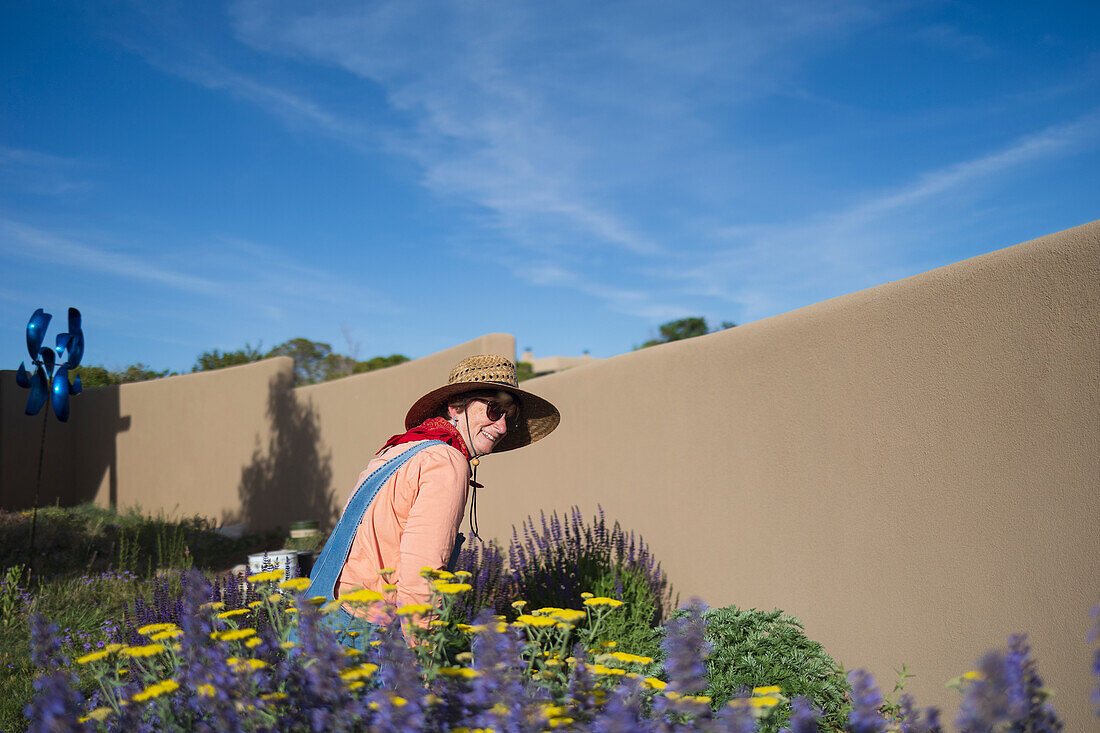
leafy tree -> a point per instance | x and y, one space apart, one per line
312 362
524 370
379 362
98 376
217 360
684 328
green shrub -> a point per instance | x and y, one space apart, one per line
754 648
90 539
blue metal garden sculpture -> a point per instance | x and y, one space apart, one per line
45 382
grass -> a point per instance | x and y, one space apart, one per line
88 564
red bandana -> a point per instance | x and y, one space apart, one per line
434 428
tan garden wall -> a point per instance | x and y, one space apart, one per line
238 444
911 469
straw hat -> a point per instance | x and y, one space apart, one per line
537 417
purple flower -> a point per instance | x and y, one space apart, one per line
866 701
685 649
804 716
911 720
1008 691
56 705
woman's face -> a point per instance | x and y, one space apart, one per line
474 424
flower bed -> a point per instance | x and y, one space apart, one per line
238 670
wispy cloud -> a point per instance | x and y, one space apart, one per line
763 266
251 276
39 173
589 142
952 37
557 133
21 241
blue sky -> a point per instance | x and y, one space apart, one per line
404 176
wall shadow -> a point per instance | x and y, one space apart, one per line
77 455
291 480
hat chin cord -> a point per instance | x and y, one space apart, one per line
474 461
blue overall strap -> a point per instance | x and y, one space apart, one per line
326 571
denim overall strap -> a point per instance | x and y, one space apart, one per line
326 571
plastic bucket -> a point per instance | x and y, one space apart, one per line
285 560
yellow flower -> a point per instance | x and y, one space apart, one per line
112 648
701 699
527 619
586 595
266 577
569 616
755 702
518 605
206 690
450 589
464 672
558 722
359 672
234 612
255 604
438 623
602 601
288 645
769 690
356 685
98 715
463 574
974 676
147 650
246 665
156 690
415 609
655 684
632 658
290 610
295 584
276 598
610 644
389 587
443 574
93 657
232 634
155 628
601 669
361 596
167 634
212 606
253 642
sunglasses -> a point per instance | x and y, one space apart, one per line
495 410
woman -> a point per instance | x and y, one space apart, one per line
405 513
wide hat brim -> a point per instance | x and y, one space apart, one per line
537 417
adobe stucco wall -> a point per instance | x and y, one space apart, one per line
912 470
238 444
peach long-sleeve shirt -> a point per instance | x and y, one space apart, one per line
411 524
